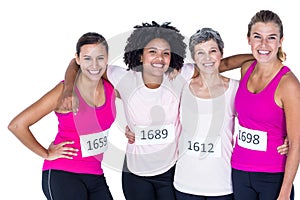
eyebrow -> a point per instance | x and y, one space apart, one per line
85 55
157 48
273 34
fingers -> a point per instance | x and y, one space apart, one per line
64 143
172 75
286 141
69 103
129 135
66 103
283 149
61 151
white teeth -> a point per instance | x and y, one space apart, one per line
208 64
264 52
158 65
94 71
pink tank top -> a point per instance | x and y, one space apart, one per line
88 127
263 127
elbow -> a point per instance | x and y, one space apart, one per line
13 127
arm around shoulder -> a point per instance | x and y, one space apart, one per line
67 97
235 61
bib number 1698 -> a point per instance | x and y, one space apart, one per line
252 139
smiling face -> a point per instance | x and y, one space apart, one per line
93 60
265 40
207 56
156 58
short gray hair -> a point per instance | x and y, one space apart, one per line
203 35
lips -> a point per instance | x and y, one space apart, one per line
94 72
208 64
158 65
262 52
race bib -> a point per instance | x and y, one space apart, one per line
202 147
149 135
93 144
252 139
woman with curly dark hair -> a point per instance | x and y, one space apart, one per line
151 102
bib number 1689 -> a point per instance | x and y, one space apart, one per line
154 134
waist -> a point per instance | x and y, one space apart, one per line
85 165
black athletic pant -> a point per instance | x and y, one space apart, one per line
257 185
159 187
61 185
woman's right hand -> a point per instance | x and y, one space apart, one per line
61 151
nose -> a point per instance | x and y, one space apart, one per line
95 64
264 41
159 56
207 56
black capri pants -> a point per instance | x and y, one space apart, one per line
159 187
62 185
257 185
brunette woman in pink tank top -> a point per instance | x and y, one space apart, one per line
72 167
267 104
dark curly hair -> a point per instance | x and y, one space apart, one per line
146 32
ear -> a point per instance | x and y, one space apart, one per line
77 59
281 41
141 58
248 38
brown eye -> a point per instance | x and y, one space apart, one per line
272 38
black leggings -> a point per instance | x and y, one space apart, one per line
159 187
257 185
61 185
186 196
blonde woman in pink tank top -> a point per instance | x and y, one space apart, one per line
267 105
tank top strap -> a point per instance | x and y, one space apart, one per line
108 89
248 72
77 92
275 81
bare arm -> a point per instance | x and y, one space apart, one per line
234 62
20 125
289 90
67 95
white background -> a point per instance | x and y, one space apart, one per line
38 39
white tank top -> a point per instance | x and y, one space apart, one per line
206 143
